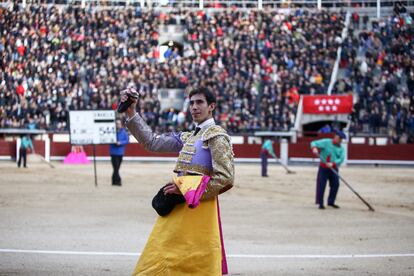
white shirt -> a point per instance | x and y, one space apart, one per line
206 123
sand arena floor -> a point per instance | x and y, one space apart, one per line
55 222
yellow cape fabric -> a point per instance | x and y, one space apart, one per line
186 242
187 183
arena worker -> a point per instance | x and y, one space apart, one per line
332 155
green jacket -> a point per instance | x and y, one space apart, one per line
26 143
268 147
329 152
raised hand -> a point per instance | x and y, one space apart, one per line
129 98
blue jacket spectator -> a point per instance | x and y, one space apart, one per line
122 138
117 152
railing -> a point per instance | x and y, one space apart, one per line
222 4
334 75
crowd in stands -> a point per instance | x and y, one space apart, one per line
259 63
58 59
54 61
379 66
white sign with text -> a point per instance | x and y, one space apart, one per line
89 127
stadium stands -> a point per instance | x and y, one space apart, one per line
379 68
56 59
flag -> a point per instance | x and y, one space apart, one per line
325 104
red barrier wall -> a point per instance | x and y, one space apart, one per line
8 148
360 152
298 150
389 152
39 147
59 149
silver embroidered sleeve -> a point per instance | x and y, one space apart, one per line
152 142
223 167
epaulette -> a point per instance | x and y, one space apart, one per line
185 135
214 131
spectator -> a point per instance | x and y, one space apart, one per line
258 61
117 152
381 72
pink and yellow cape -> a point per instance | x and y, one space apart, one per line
189 240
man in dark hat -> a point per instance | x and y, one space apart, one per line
331 154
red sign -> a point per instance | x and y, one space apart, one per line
324 104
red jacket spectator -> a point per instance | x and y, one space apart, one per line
20 90
219 31
21 49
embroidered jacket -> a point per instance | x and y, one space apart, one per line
209 152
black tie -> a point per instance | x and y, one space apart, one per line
197 130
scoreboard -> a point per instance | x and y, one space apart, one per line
92 127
